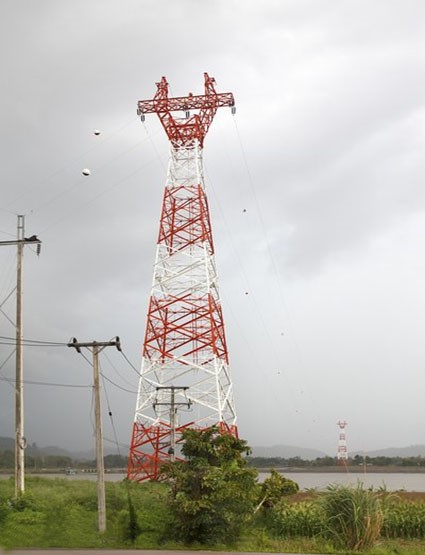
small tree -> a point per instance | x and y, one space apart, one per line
213 492
274 488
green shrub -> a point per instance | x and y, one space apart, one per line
274 488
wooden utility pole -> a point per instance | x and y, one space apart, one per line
173 411
19 386
20 441
96 347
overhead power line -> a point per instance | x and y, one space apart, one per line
30 382
41 341
6 340
116 385
130 363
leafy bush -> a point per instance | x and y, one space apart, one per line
274 488
353 516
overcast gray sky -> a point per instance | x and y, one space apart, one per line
317 199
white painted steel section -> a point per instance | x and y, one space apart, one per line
191 270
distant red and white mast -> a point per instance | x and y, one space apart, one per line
185 359
342 453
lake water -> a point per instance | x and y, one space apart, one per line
306 480
392 482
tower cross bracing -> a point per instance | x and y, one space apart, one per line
184 348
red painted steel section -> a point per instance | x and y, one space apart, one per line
182 325
183 132
149 448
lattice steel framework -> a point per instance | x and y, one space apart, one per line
185 344
342 453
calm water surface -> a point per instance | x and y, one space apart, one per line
306 480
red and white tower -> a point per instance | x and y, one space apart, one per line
342 454
185 359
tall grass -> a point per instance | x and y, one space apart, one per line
354 516
62 513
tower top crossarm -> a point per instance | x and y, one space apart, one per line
183 132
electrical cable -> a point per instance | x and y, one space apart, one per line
32 382
130 364
109 440
81 180
74 161
4 378
116 370
38 341
109 410
252 298
118 386
8 271
85 358
24 344
7 358
84 205
5 232
271 256
159 158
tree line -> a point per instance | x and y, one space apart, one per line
50 462
357 460
39 462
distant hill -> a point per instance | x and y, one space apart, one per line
283 451
287 452
8 444
410 451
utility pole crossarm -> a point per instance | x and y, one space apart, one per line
78 344
22 241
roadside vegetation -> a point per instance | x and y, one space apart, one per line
212 501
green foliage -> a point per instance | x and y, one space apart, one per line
58 513
130 528
62 513
354 516
213 492
404 520
275 487
289 520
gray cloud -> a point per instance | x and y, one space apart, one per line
329 120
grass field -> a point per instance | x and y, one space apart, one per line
58 513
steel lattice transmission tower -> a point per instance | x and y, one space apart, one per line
342 453
185 359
